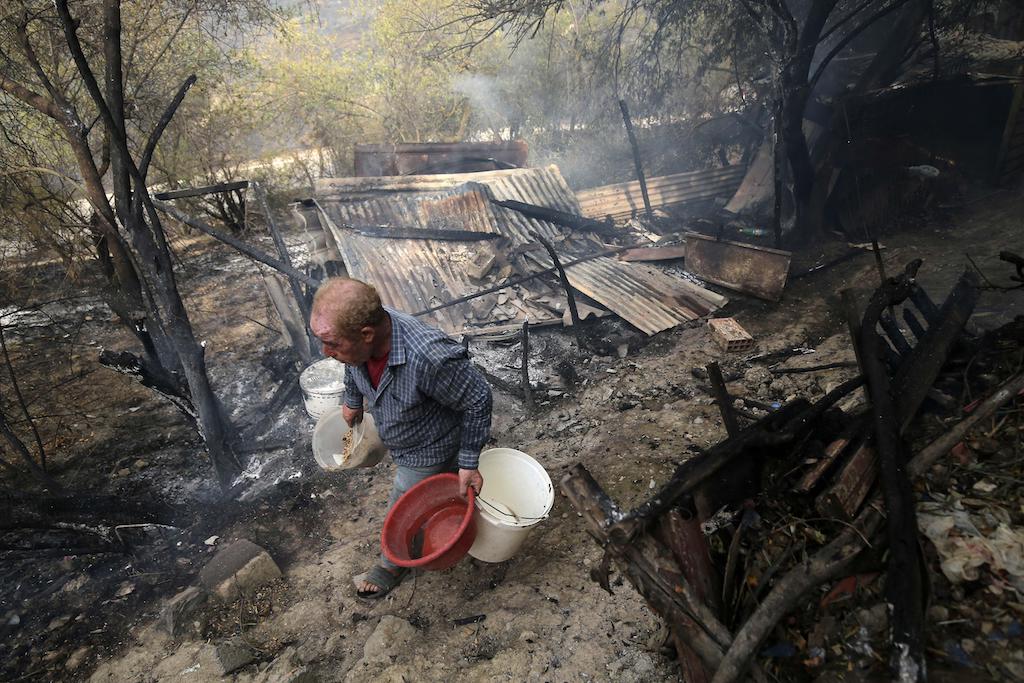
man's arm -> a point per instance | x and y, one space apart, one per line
352 401
456 384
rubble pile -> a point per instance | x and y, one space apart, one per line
796 546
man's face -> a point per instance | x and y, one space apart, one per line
348 350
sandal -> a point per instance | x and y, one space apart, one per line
382 578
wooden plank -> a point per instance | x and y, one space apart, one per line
843 499
199 191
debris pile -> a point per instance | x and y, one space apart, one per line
830 495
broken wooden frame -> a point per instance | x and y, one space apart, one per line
730 472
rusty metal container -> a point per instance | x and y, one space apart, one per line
754 270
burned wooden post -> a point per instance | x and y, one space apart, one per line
624 108
732 427
568 289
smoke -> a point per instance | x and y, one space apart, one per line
486 98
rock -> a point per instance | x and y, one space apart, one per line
141 464
123 472
937 613
232 655
77 658
874 619
239 568
388 640
757 375
180 612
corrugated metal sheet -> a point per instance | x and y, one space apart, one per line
624 200
643 296
540 186
413 275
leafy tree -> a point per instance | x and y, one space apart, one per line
98 83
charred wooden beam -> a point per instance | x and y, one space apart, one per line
904 587
568 220
833 452
917 375
637 161
843 499
682 535
566 286
836 558
650 568
200 191
721 393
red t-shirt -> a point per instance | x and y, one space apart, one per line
375 368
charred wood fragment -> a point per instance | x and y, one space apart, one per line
649 566
917 375
566 286
637 161
832 453
752 442
904 587
153 377
568 220
851 487
723 399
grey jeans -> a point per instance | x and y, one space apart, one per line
406 478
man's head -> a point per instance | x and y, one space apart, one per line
349 320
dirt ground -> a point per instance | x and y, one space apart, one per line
630 420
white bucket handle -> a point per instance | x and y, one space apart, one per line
517 518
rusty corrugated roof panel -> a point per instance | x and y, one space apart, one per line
645 297
413 275
624 200
540 186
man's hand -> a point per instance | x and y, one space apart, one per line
470 478
351 415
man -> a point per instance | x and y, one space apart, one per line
431 407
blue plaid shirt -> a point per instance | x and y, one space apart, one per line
431 403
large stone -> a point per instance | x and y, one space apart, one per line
388 640
182 612
239 568
232 655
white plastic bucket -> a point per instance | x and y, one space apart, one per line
516 496
323 386
329 442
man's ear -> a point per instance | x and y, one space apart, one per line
367 333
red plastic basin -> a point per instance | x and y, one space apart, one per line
433 515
